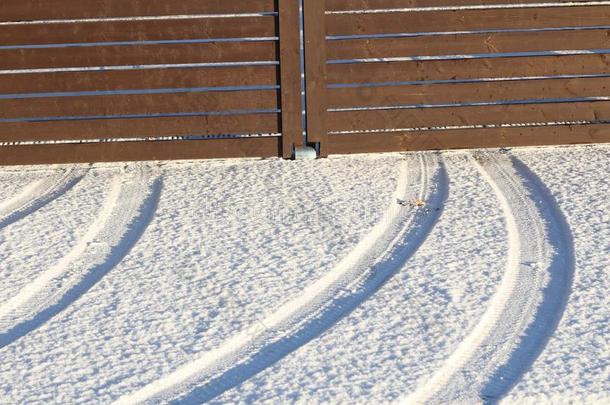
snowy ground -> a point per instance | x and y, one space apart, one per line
456 277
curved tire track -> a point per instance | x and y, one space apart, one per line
525 310
38 194
377 257
125 214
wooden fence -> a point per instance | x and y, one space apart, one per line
436 74
138 80
88 81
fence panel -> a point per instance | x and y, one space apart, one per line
139 80
433 74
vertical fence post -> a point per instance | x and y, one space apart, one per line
290 76
315 71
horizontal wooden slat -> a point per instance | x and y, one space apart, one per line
503 42
468 69
133 151
346 5
137 55
458 116
138 104
468 138
25 10
139 127
468 92
518 18
197 28
139 79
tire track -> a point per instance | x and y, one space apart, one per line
525 310
37 194
122 219
375 259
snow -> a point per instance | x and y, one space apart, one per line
393 341
575 365
30 244
367 278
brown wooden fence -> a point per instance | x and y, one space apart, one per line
131 80
433 74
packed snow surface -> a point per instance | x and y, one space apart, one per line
454 277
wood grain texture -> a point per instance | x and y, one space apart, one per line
315 72
467 115
433 21
467 69
139 127
463 44
139 104
157 30
137 151
468 92
468 138
290 82
346 5
139 79
28 10
137 55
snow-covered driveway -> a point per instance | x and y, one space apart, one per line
464 276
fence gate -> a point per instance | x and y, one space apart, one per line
88 81
389 75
